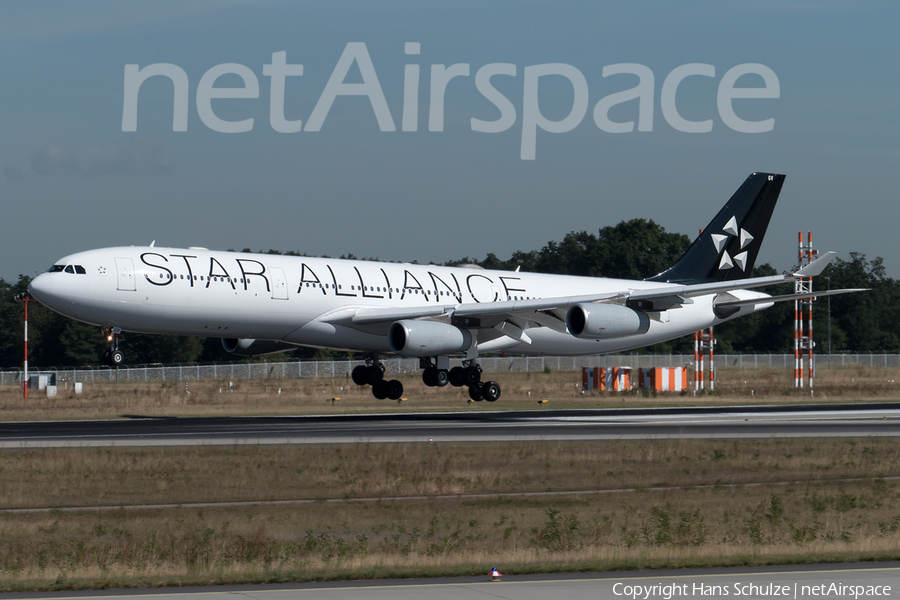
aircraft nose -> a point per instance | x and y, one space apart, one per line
41 286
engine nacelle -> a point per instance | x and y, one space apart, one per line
427 338
246 347
604 321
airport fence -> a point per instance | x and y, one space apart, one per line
490 364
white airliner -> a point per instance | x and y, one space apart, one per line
267 303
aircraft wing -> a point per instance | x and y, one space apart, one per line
547 312
513 318
523 308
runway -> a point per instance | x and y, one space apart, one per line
731 422
876 580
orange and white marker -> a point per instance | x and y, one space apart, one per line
663 379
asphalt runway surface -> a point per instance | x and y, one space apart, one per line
731 422
875 580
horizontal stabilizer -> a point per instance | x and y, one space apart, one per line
785 297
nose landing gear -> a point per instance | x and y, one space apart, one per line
113 357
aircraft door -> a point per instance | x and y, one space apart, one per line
125 273
279 283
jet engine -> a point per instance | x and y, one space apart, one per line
603 321
427 338
247 347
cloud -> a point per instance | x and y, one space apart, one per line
13 175
141 156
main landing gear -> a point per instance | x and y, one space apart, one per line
435 374
372 373
468 375
113 357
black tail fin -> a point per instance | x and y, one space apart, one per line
728 247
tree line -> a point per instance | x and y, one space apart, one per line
635 249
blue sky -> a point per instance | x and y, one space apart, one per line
73 180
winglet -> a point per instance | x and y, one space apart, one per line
816 266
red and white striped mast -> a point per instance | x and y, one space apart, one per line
697 368
798 325
703 341
25 298
810 256
803 342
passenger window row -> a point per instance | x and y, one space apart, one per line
214 279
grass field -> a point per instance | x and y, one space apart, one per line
839 505
668 503
521 391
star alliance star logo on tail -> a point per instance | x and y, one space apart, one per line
719 240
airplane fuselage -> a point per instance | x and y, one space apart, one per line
290 298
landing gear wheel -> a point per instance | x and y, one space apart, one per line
456 376
475 394
490 390
380 389
429 376
471 376
441 377
113 356
375 374
394 389
360 375
116 358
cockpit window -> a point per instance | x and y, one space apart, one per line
72 269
